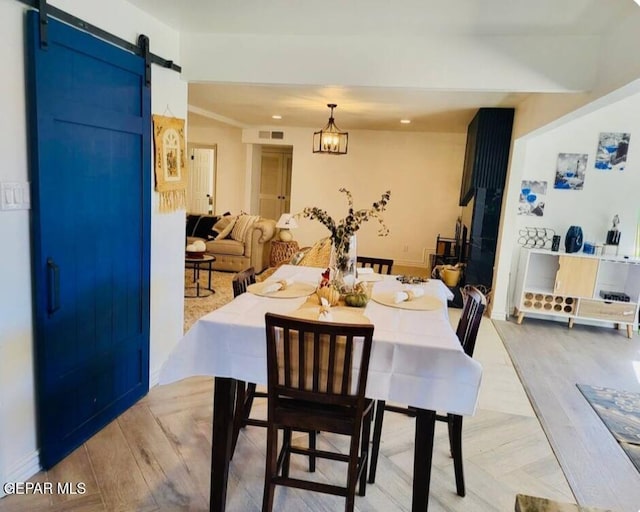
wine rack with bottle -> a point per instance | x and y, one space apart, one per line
577 287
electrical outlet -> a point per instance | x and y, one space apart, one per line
405 249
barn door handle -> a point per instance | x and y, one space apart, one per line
53 287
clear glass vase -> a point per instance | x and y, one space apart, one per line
343 263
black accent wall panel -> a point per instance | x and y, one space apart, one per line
486 165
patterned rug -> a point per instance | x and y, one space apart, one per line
620 412
194 308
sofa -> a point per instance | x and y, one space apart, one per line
238 242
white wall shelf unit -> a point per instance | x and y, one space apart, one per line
578 287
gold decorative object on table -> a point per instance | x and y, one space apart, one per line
311 310
169 162
327 290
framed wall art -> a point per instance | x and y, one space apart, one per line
612 151
570 170
531 198
169 162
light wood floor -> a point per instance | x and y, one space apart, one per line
552 359
156 456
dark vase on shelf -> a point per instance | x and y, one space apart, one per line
573 239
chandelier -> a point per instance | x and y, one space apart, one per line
330 139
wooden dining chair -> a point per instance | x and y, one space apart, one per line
467 332
317 375
379 265
245 393
242 280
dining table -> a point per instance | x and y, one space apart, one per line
416 358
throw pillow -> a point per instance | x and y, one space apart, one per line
226 227
203 226
220 224
319 255
242 225
192 221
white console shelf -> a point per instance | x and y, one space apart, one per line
572 286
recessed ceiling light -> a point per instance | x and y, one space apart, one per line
405 121
276 116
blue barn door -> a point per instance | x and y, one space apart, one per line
90 171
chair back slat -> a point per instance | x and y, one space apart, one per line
467 330
302 360
328 386
286 355
242 280
379 265
317 361
347 364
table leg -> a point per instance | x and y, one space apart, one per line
422 453
196 277
222 435
211 270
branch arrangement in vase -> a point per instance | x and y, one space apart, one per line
342 230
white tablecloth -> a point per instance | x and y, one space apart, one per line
416 357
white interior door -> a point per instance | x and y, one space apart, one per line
200 189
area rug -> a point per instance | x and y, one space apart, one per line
194 308
620 412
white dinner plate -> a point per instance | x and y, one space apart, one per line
424 303
292 291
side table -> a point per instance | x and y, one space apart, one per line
203 263
281 252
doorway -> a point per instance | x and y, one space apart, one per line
274 196
201 186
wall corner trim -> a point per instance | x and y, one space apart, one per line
23 469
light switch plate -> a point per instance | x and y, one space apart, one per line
15 195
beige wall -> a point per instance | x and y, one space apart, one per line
422 170
230 160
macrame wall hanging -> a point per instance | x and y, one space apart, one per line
169 162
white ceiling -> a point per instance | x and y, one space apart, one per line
371 107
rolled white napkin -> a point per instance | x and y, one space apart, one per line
410 293
278 285
363 271
325 311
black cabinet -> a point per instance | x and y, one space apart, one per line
485 171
